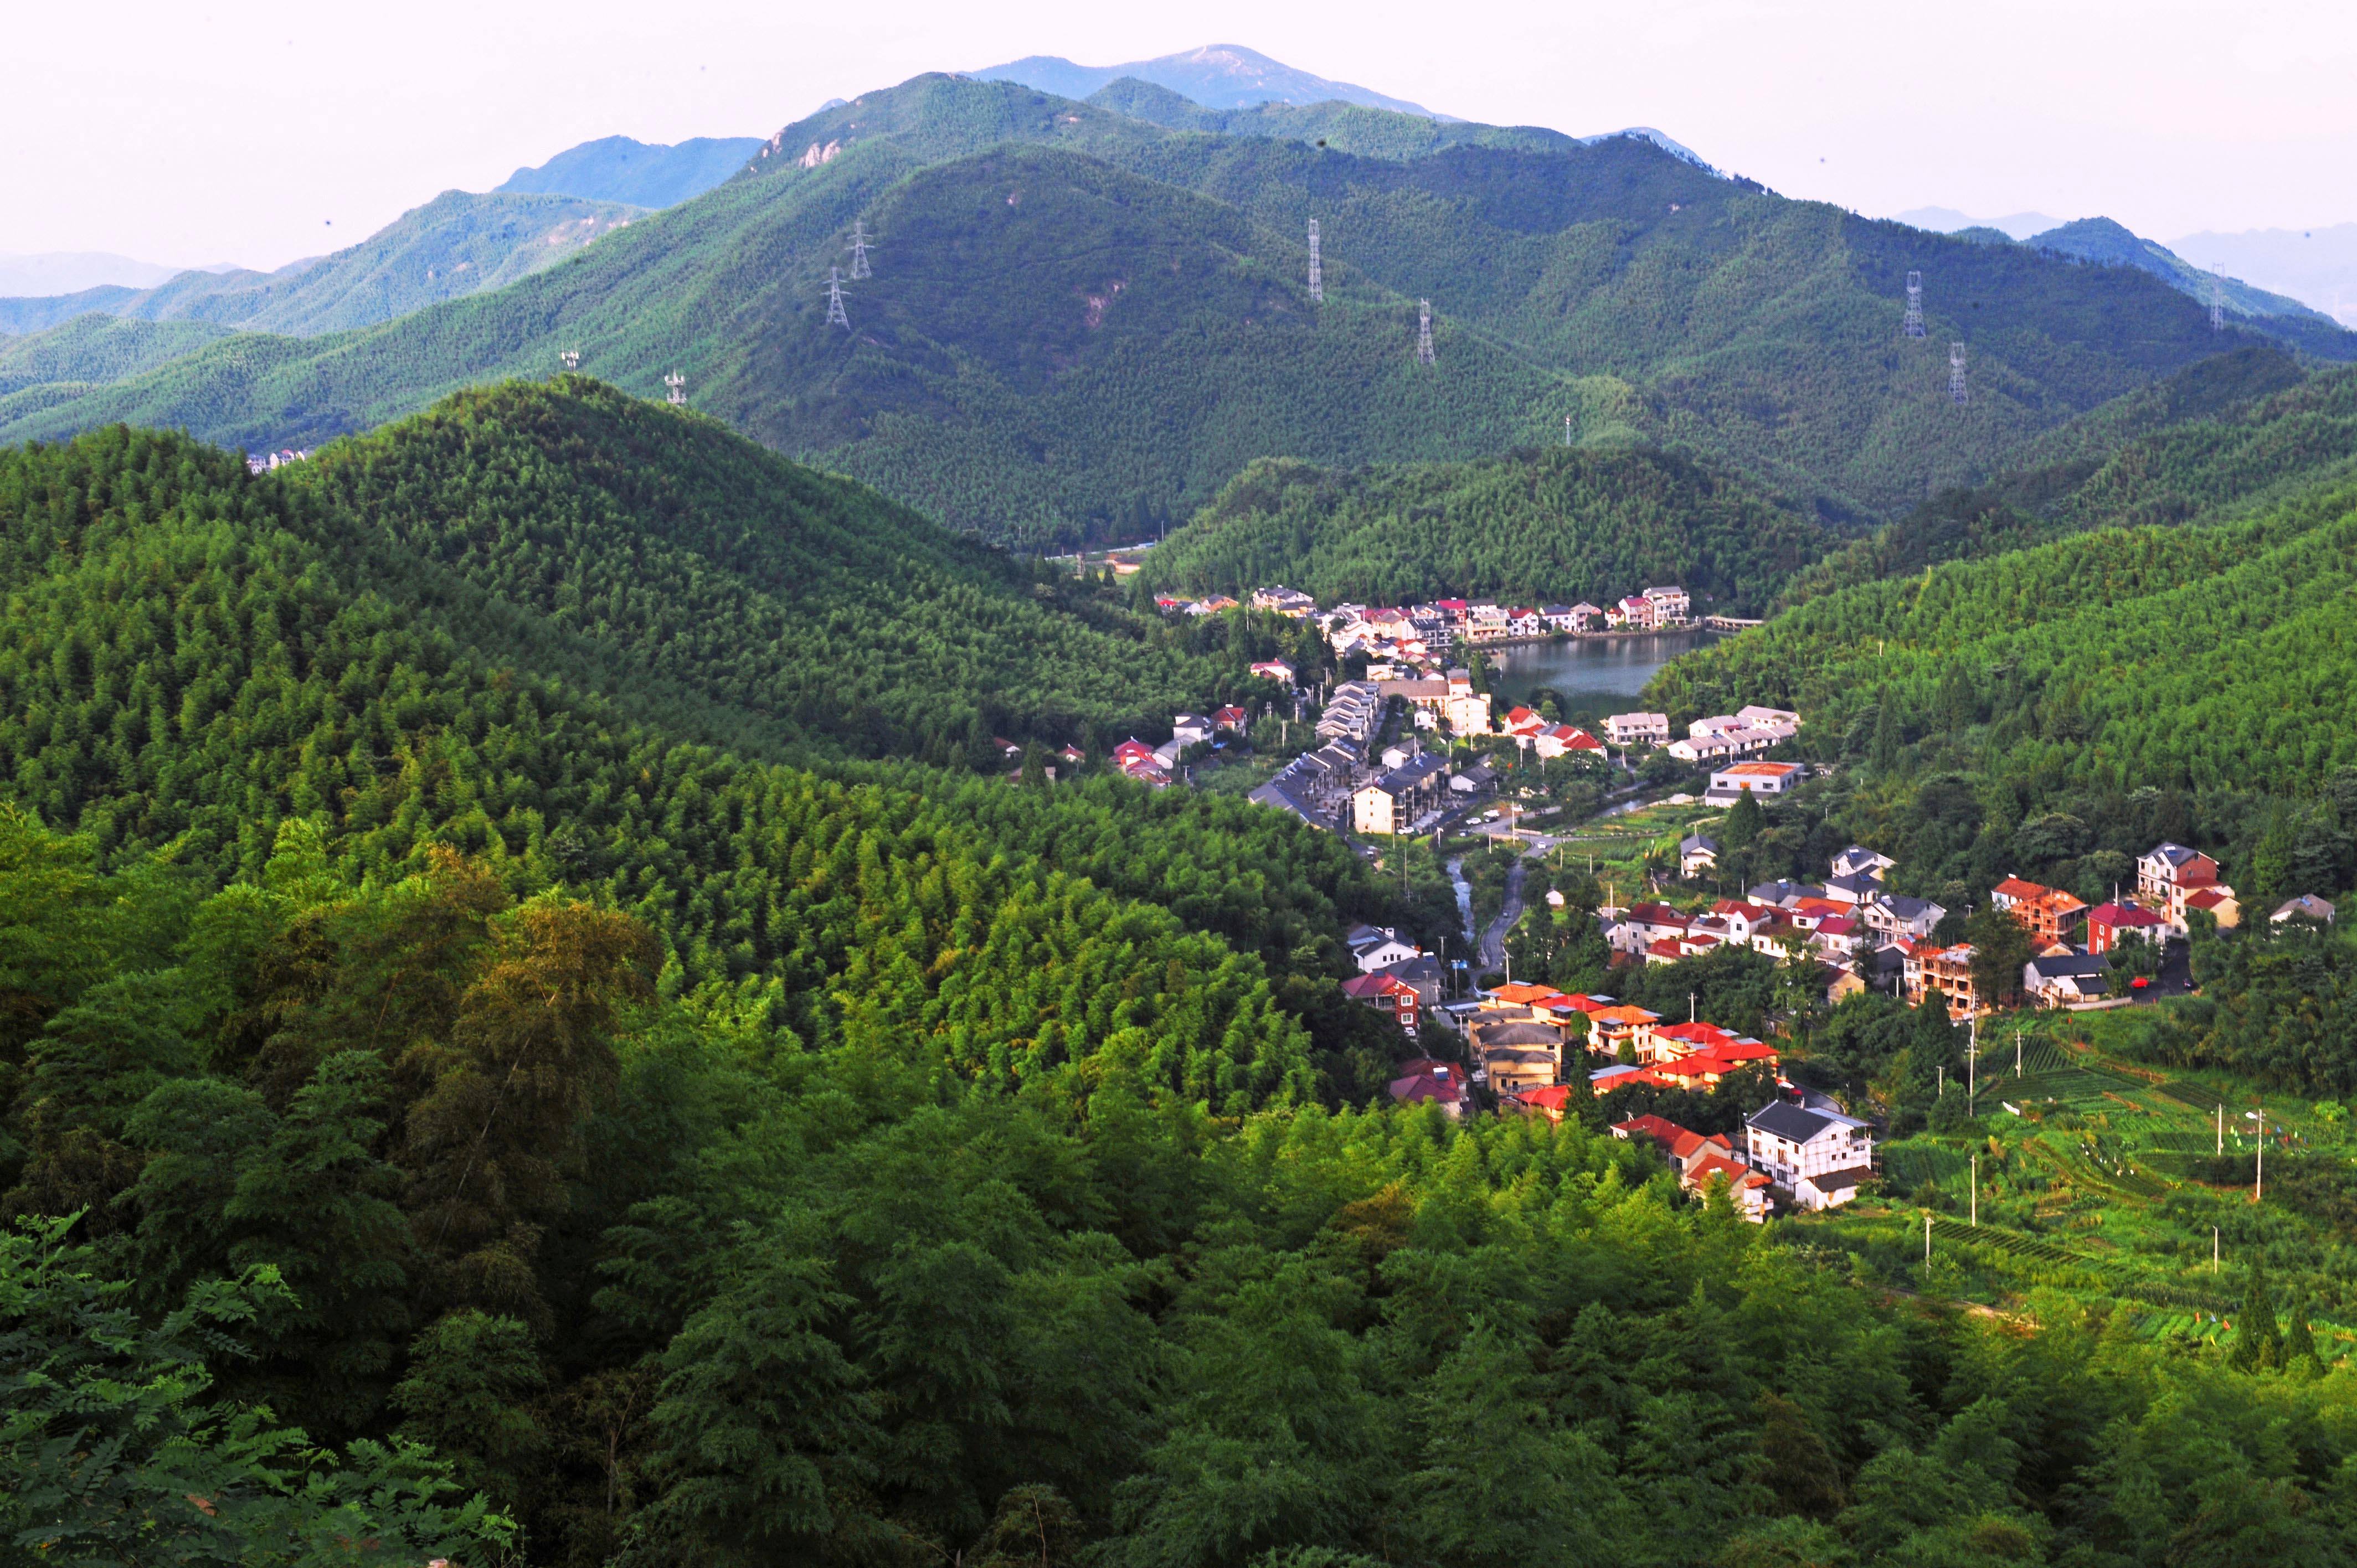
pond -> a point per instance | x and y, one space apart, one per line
1595 675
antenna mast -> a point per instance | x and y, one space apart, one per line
1316 269
1423 355
859 268
835 312
1914 326
572 358
1956 391
678 385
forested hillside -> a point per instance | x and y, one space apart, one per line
457 1109
2226 437
694 557
458 244
1551 525
1082 322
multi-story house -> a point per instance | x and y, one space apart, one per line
1671 605
1946 971
2047 914
1819 1156
1638 729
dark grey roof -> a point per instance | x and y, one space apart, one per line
1489 1035
1694 842
1841 1180
1414 970
1907 909
1782 1119
1856 882
2077 963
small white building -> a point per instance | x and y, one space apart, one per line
1821 1157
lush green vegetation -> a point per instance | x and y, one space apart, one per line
2225 438
1084 323
690 555
458 244
1554 525
467 1095
96 348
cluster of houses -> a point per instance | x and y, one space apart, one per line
1158 766
262 463
1851 913
1535 1048
1424 634
1792 1155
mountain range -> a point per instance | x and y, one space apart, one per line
1086 318
636 174
1217 76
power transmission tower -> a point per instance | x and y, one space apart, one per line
678 385
1317 268
859 268
835 312
572 358
1423 355
1914 326
1956 391
2217 299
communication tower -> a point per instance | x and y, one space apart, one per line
2217 299
1957 390
835 312
1566 430
678 385
859 268
1316 269
1914 327
1424 332
572 358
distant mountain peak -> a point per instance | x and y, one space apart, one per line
1216 75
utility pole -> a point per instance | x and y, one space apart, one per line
1973 1064
2222 1128
1927 1235
835 316
1690 1006
1566 430
1942 1070
859 268
1316 267
1957 394
1914 325
678 385
2213 1248
2017 1053
2259 1173
1976 1192
1424 332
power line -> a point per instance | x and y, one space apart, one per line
859 268
1914 324
1424 332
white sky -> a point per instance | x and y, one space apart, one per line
204 130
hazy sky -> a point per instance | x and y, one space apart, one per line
203 131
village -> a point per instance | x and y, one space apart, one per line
1413 747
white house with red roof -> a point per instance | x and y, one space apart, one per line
1275 670
1564 740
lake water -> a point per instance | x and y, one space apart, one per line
1596 675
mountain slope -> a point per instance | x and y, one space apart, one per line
996 377
2103 241
2231 436
635 174
1553 525
459 244
1217 76
688 553
97 348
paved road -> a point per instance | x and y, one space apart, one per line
1493 941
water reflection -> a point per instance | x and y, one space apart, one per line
1596 675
